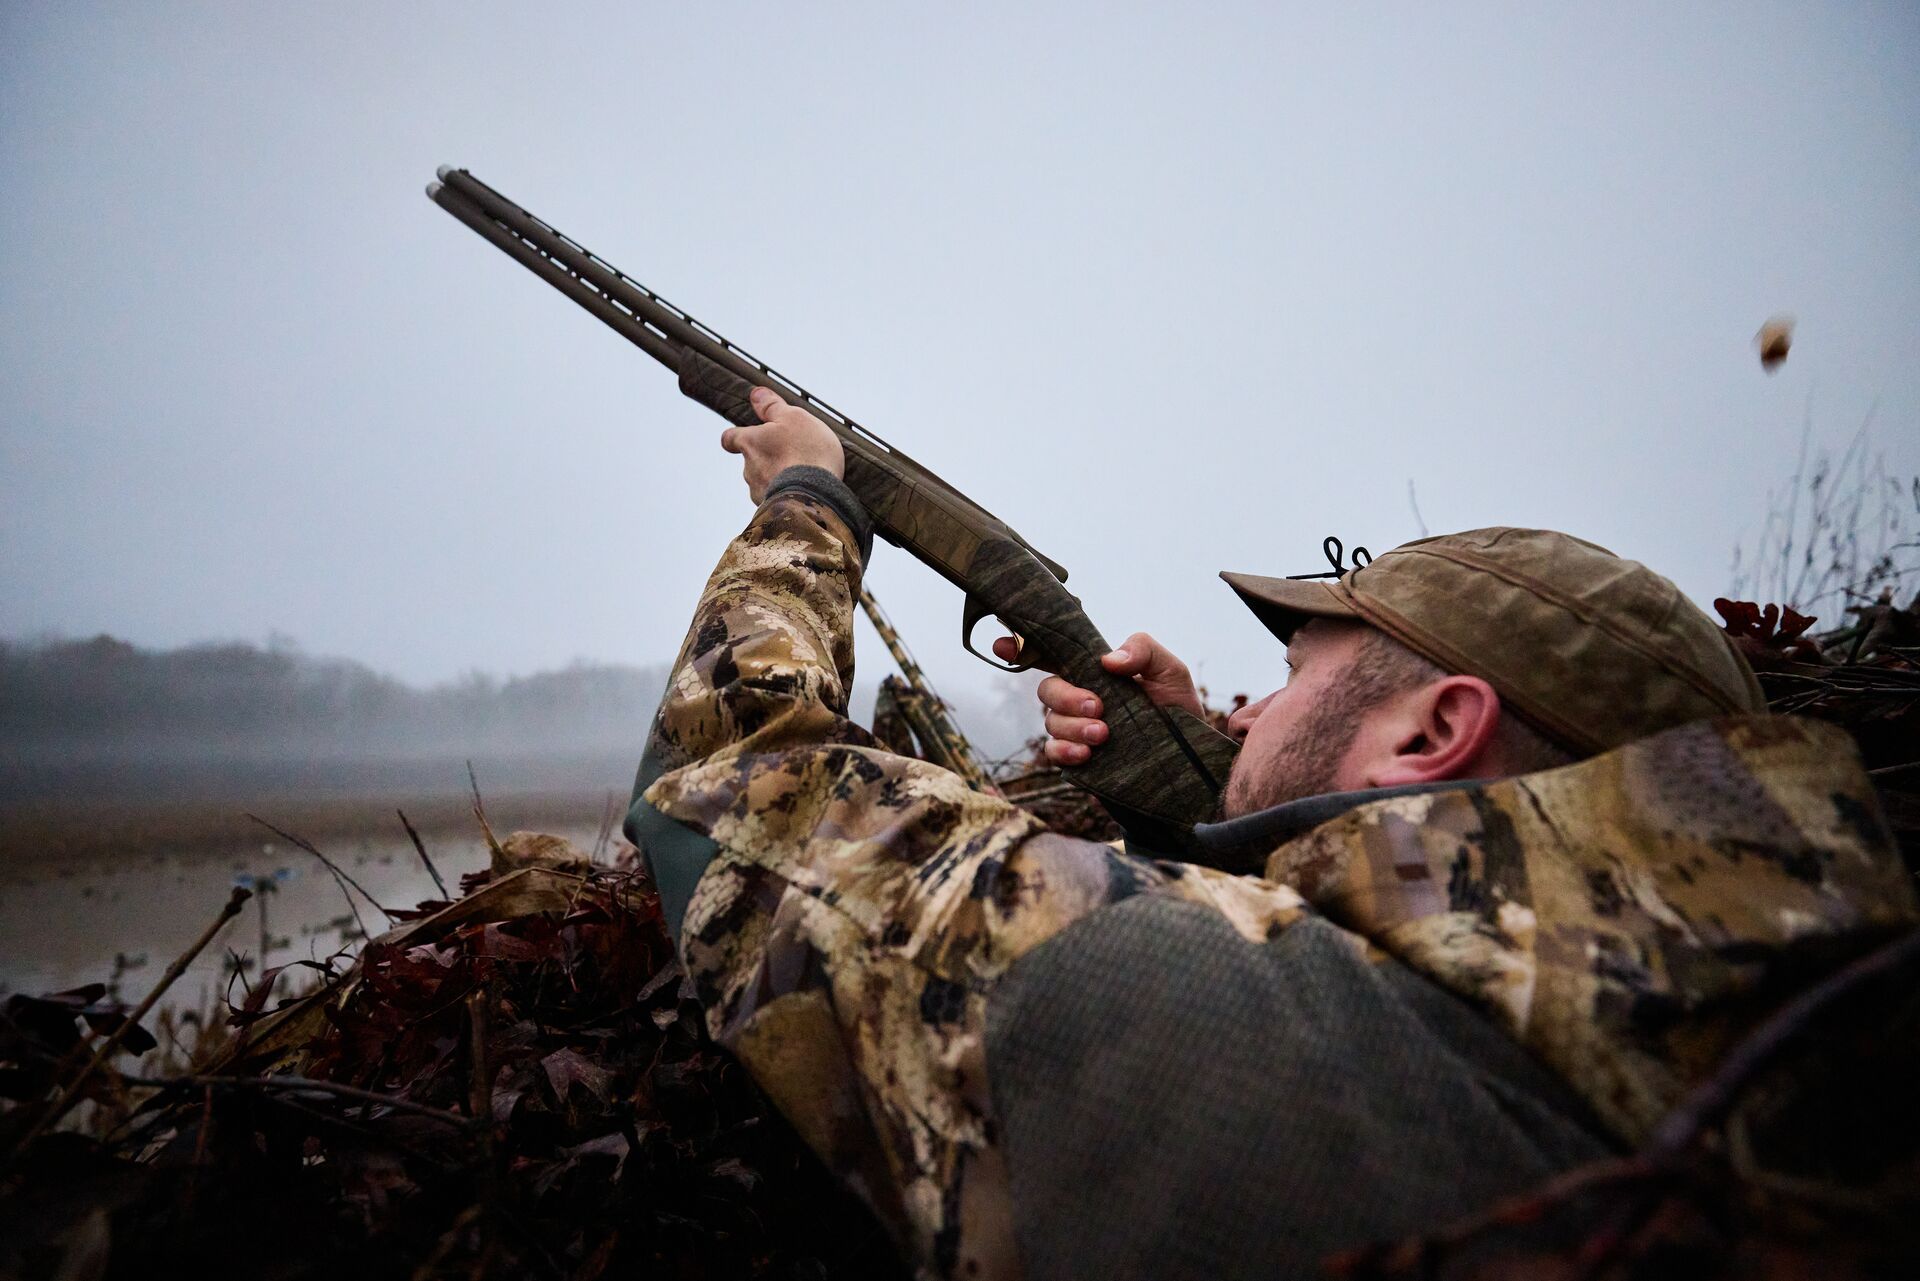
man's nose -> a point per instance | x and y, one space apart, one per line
1242 720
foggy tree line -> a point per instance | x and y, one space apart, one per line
104 699
105 696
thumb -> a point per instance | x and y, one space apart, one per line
766 403
1163 676
1143 656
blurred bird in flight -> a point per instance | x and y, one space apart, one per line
1773 340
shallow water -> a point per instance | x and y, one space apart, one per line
124 922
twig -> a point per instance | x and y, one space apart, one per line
339 874
480 813
1860 635
297 1084
421 846
206 1125
261 903
1413 501
70 1094
480 1103
1525 1207
480 1093
606 828
1793 503
1837 532
236 969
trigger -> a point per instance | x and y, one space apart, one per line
970 615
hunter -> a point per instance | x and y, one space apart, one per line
1520 856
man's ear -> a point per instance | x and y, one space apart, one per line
1444 730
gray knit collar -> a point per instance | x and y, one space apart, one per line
1243 844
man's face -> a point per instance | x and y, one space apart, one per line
1298 740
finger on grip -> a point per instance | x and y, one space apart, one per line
1060 695
1076 729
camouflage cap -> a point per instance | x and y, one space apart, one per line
1592 649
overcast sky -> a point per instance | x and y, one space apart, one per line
1171 290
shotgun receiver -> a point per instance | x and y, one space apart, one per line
1161 769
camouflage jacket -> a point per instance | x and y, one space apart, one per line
856 912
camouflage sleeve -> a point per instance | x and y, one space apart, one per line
766 664
856 907
769 658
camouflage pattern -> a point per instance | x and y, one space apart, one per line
861 906
891 729
1629 916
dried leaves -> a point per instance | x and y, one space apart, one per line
1767 637
613 1138
1863 676
37 1033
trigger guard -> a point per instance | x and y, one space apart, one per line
971 620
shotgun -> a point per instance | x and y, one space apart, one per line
1160 771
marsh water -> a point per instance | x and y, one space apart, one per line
121 917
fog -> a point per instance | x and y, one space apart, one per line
105 697
107 718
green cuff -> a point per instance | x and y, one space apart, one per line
676 856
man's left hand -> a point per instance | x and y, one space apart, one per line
785 437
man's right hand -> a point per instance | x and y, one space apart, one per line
1074 727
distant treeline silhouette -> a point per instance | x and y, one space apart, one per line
83 721
105 698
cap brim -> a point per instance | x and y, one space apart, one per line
1284 604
